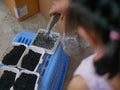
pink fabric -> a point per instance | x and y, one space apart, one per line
114 35
87 71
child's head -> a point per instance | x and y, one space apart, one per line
95 20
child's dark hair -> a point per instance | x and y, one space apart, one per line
101 17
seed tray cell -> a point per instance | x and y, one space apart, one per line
26 81
31 58
13 54
49 43
7 77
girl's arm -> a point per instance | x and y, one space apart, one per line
77 83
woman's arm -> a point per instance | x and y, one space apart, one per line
78 83
59 6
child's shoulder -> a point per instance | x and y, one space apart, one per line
89 59
86 66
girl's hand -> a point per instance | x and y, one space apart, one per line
59 6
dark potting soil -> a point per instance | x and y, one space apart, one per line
7 80
25 82
30 60
45 42
14 55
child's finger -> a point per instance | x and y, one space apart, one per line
53 10
61 17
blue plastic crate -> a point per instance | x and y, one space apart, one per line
24 37
54 67
1 65
55 71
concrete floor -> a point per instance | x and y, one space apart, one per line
9 27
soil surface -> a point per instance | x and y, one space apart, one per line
7 80
14 55
45 41
25 82
31 60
